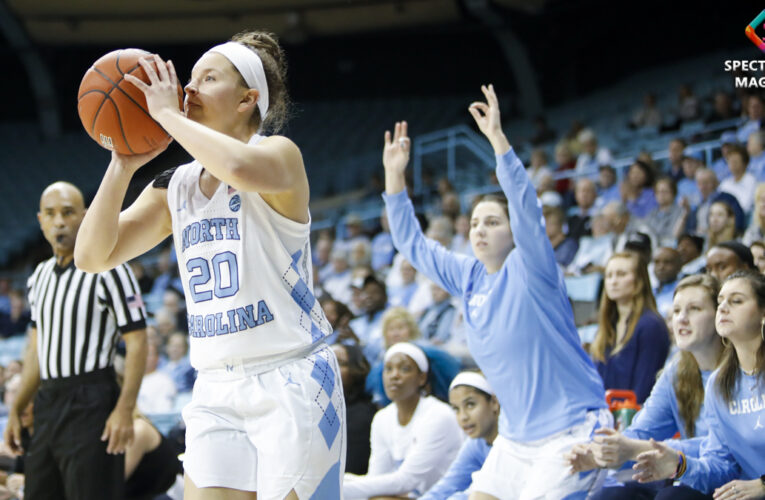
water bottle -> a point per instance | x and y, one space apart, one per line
623 405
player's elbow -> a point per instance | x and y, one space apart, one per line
84 260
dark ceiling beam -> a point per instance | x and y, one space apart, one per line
39 77
516 56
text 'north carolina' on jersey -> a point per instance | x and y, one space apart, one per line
234 254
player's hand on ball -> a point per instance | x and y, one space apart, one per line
131 163
162 93
397 148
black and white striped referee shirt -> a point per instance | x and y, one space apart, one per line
79 316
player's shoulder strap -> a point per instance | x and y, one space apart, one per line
162 180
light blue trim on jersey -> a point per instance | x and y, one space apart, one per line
519 323
330 484
302 294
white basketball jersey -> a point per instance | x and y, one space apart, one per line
246 271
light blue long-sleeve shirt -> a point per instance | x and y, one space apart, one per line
519 323
735 445
459 477
660 416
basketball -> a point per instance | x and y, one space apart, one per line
114 111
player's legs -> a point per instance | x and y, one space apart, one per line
191 492
301 438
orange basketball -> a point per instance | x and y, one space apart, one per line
113 110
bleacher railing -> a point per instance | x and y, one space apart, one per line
448 140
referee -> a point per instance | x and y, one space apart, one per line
83 421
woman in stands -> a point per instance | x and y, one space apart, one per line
676 401
267 413
722 221
398 325
632 342
756 230
477 412
637 189
519 322
414 439
731 463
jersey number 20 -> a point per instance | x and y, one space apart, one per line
223 288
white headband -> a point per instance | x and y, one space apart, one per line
472 379
249 65
411 350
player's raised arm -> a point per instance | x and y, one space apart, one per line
523 206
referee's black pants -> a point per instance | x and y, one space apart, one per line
66 459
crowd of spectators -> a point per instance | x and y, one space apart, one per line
637 232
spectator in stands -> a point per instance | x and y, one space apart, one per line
538 168
5 300
722 108
450 205
706 181
579 220
675 161
321 257
437 320
624 227
461 239
592 156
632 340
338 283
758 254
542 133
368 326
157 394
414 439
668 219
402 295
144 278
688 105
564 161
755 148
16 321
354 232
594 251
648 116
666 266
727 257
676 401
754 115
720 166
608 188
359 409
741 183
360 254
339 316
730 462
722 221
151 462
477 411
382 246
692 258
687 189
637 190
400 326
756 230
564 246
178 366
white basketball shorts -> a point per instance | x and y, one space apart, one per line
269 431
537 470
